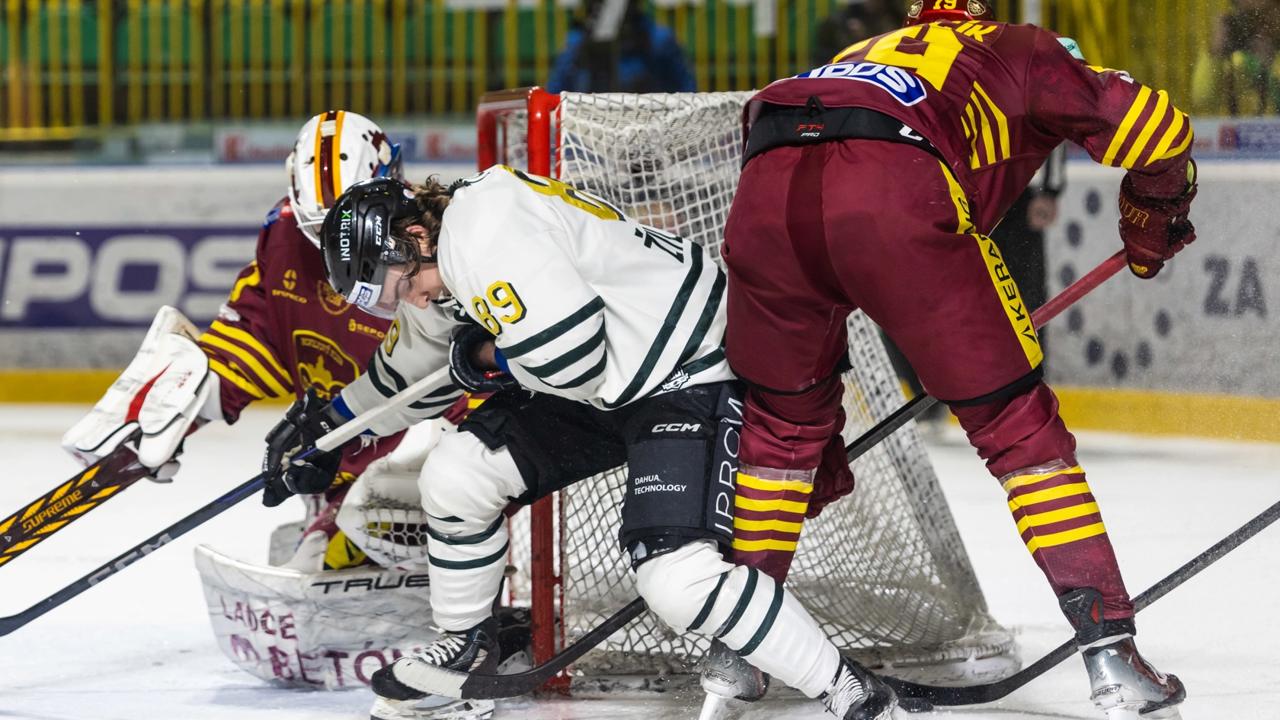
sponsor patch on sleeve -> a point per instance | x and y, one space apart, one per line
1072 47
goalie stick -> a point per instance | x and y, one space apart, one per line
1039 318
331 441
916 697
69 501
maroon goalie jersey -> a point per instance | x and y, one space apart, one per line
284 330
995 99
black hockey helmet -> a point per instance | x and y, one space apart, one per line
356 240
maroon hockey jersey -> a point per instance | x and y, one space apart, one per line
995 99
284 330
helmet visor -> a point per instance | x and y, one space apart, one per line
380 298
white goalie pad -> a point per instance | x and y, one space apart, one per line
382 512
326 630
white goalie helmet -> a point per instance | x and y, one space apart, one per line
334 150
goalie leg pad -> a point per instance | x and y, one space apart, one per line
1029 450
465 487
693 589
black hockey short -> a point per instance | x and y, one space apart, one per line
681 449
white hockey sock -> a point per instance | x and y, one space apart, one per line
695 589
466 571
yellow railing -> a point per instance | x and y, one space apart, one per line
72 67
1158 41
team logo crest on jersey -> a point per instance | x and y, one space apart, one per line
322 364
902 85
330 300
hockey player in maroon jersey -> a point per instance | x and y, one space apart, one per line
871 183
283 331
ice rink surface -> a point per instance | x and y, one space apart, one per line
139 646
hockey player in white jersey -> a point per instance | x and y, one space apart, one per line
523 283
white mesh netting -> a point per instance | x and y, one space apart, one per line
884 571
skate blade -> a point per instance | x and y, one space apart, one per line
719 707
431 708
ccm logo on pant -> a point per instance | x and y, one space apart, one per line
677 427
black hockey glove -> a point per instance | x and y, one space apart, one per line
305 422
466 340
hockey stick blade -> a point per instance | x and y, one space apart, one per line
69 501
132 555
481 686
917 697
1039 318
330 441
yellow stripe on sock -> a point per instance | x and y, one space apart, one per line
1066 536
1054 516
1046 495
771 524
758 545
764 485
1018 481
768 505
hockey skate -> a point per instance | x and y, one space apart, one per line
424 673
856 693
1126 687
727 677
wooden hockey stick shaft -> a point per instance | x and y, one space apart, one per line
918 697
68 502
330 441
1039 318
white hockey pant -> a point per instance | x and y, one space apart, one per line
694 589
465 487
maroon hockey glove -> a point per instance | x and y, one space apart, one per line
1154 229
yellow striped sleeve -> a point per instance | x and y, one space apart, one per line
236 379
265 379
1002 122
1157 118
1126 125
245 338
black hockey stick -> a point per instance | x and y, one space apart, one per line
132 555
1039 318
331 441
916 697
69 501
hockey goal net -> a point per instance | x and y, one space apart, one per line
884 570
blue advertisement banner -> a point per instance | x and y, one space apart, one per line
117 277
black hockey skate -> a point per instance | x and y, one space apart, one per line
727 674
435 670
1124 685
856 693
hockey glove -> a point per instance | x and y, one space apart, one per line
464 346
1154 229
166 392
305 422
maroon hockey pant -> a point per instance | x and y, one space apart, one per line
816 232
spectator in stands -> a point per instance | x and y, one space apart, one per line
628 54
1240 75
857 20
